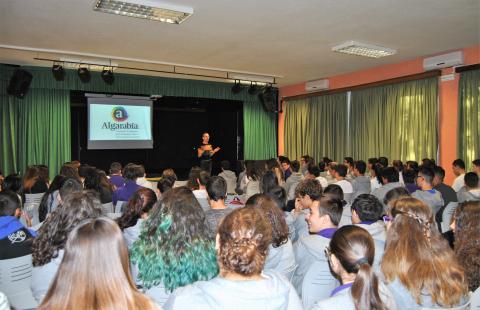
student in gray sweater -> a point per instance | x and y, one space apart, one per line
351 254
361 184
217 192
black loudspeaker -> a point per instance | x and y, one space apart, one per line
19 83
268 98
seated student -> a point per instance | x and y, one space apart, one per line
322 221
458 168
375 177
278 193
87 278
34 181
348 162
174 248
97 181
390 180
466 223
419 267
142 178
292 182
124 193
307 192
48 247
242 245
280 252
340 173
217 192
409 178
15 239
253 176
351 254
268 181
398 165
367 213
394 194
273 165
361 184
229 176
201 192
164 184
476 166
313 172
286 168
305 161
427 193
471 190
135 213
115 175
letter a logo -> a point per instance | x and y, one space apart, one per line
119 114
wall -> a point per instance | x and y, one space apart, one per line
448 99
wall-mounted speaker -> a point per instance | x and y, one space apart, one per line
19 83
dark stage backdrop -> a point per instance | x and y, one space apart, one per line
178 124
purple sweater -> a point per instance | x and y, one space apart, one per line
125 192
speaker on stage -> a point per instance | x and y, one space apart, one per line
19 83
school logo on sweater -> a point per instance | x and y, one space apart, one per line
17 237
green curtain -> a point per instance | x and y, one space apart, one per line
398 121
37 128
316 126
469 117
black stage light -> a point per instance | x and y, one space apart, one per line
58 72
252 89
236 88
84 74
107 76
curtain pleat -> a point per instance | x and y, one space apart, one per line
469 117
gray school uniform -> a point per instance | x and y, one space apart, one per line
272 292
300 225
378 232
361 185
308 249
432 198
343 300
281 259
42 277
132 233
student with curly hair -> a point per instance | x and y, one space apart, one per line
174 248
135 213
466 226
350 254
418 265
280 252
242 245
89 279
48 247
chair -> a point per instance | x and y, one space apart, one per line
119 206
107 208
447 216
317 284
32 203
113 216
15 278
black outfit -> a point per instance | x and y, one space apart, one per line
448 195
206 159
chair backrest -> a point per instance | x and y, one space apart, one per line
119 206
466 306
15 279
107 208
33 198
475 300
447 215
317 284
32 210
113 216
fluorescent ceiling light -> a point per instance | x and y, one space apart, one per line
363 49
146 9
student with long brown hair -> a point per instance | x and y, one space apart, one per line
419 267
89 279
351 253
242 245
466 226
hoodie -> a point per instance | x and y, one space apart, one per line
231 179
281 259
272 292
432 198
468 195
15 239
361 185
378 232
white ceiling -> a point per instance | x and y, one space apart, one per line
291 38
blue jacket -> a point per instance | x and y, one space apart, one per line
15 239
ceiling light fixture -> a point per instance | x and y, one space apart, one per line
84 74
363 49
146 9
252 89
107 76
58 72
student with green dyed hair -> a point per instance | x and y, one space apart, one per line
174 248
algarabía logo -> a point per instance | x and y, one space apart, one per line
119 114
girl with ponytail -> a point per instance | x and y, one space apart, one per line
351 254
